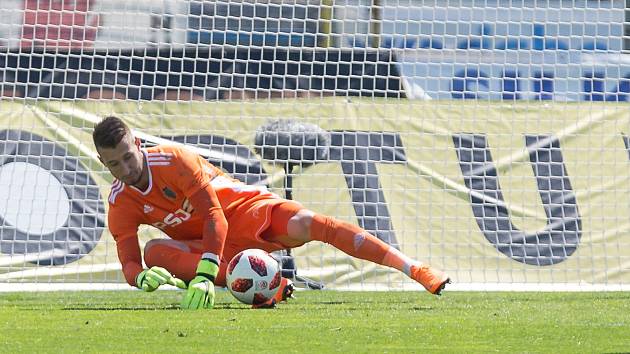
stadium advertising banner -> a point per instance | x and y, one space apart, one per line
513 198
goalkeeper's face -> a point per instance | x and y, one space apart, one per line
125 162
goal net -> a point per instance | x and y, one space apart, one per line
490 139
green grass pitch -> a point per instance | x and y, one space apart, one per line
317 322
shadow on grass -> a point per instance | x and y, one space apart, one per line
363 306
149 308
121 308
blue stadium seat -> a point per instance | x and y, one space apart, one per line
411 42
467 84
513 43
594 86
594 45
543 86
541 41
431 43
622 94
483 38
511 85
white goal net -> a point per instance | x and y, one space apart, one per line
490 139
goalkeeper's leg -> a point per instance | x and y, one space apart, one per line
296 228
357 242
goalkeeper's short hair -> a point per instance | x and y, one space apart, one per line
109 132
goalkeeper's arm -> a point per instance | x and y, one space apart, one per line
145 279
151 279
215 225
200 292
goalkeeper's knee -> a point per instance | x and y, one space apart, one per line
323 228
297 231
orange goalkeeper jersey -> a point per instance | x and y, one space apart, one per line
175 174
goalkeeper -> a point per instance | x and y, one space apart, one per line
210 217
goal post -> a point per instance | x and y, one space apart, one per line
490 139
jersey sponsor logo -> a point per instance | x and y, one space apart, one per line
173 219
187 206
147 208
177 217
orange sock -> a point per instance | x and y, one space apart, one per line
178 262
358 243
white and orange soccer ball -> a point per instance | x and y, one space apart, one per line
253 276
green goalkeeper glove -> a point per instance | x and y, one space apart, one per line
200 292
151 279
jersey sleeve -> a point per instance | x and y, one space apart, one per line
215 226
130 258
192 173
194 179
124 230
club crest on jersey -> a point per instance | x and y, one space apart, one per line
169 193
147 208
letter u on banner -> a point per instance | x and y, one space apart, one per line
560 238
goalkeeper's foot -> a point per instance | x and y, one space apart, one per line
285 292
432 279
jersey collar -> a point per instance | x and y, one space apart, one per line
146 163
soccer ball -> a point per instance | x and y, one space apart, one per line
253 276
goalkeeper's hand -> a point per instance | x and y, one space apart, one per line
200 293
151 279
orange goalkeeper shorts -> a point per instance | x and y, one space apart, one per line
249 226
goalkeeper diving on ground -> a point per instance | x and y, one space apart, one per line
210 217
